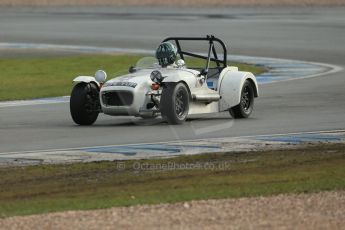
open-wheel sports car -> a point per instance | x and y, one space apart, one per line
168 87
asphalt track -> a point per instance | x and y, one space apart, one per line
309 34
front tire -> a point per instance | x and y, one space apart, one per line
245 108
84 103
174 104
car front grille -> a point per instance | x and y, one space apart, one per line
117 98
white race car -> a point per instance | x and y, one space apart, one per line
168 87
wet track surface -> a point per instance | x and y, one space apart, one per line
308 34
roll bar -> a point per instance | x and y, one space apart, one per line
211 39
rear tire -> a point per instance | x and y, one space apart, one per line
84 103
174 103
245 108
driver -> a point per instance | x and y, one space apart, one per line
166 54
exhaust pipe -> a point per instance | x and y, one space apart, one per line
206 98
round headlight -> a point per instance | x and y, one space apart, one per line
156 76
101 76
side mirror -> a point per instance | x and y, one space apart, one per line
203 72
180 63
132 69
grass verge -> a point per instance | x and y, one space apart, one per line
27 78
47 188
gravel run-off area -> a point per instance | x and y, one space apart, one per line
174 2
324 210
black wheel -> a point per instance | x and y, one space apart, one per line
174 104
245 108
84 104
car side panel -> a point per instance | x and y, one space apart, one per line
181 75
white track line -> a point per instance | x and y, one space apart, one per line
41 101
170 142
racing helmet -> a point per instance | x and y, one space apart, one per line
166 54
